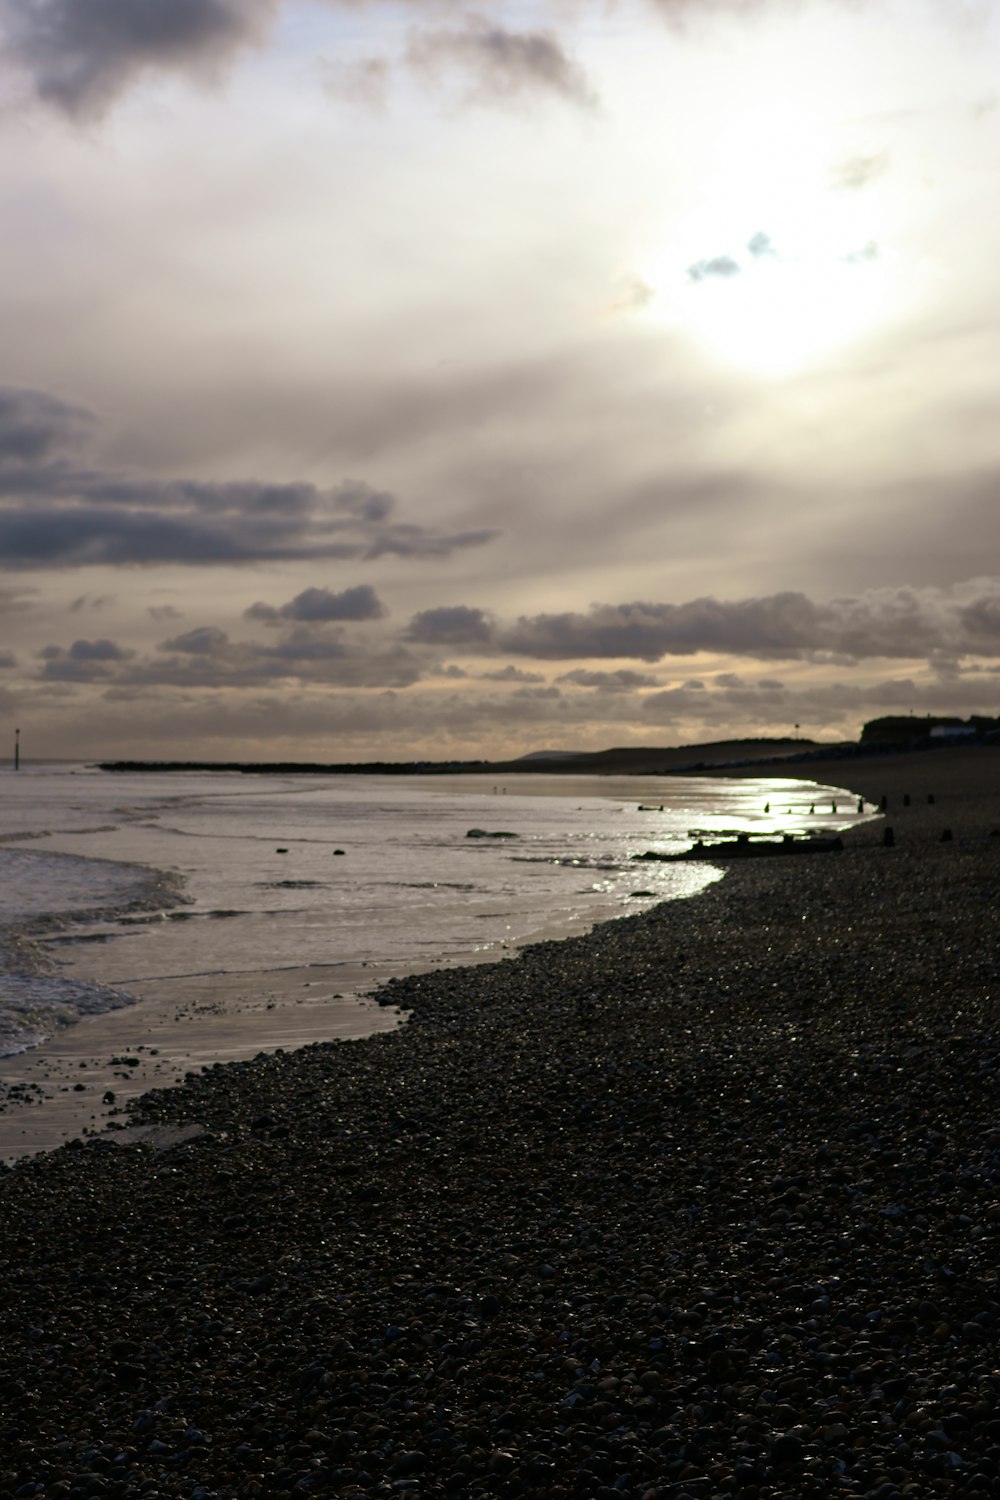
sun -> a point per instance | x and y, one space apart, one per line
782 311
776 267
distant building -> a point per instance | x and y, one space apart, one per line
898 729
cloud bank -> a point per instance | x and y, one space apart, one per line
54 513
886 623
338 640
82 56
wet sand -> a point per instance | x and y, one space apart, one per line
52 1093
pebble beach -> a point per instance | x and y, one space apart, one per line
705 1203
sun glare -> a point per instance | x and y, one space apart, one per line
783 314
778 265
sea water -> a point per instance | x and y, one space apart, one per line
112 879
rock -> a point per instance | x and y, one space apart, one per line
787 1449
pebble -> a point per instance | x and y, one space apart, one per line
703 1204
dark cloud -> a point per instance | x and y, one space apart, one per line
901 623
207 657
784 624
451 625
7 660
82 54
85 661
981 619
102 650
207 640
35 427
303 646
502 63
299 657
511 674
54 514
622 681
320 605
721 267
83 535
359 499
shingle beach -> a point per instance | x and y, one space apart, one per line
705 1204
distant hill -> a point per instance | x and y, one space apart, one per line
548 755
656 760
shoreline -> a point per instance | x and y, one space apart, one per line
57 1090
60 1088
705 1203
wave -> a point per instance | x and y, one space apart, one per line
43 897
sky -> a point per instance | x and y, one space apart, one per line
430 381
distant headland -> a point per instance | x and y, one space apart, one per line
878 737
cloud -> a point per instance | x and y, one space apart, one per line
902 623
857 171
622 681
635 294
16 602
503 63
102 650
207 657
778 625
81 55
451 625
981 619
91 601
207 640
78 534
863 255
511 674
761 244
319 605
723 267
35 426
85 661
365 81
54 513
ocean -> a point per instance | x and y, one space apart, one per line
109 880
